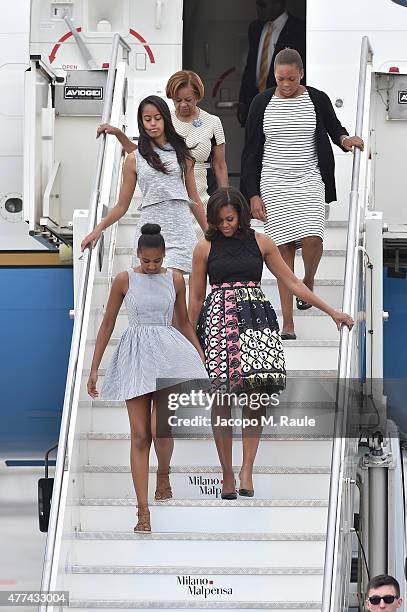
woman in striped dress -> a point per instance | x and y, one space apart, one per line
288 169
151 355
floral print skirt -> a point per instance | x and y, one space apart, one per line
239 334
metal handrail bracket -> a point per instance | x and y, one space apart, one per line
349 305
77 352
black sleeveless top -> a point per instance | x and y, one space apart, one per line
234 259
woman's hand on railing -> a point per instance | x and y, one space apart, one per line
91 239
341 319
349 142
106 128
92 380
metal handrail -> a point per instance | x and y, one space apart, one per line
334 509
113 238
78 339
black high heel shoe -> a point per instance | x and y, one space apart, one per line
246 492
232 495
229 495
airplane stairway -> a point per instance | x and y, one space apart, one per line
266 552
204 553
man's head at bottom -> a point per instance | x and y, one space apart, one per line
383 593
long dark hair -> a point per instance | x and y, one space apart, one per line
146 143
225 196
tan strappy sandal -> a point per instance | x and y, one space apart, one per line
163 489
143 524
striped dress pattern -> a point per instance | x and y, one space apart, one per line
291 186
150 349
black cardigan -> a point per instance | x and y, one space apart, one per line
327 123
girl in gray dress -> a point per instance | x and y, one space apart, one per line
164 167
150 349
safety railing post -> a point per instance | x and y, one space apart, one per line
329 594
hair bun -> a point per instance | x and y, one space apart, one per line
151 229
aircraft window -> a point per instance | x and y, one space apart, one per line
13 205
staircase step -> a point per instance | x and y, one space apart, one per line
209 586
207 469
124 251
115 605
315 377
330 289
308 354
294 483
198 452
311 324
160 570
335 232
199 536
332 264
133 552
291 374
274 516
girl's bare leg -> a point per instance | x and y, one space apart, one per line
139 410
164 448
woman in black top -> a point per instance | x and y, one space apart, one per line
288 169
236 324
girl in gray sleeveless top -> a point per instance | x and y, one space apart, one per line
163 165
151 354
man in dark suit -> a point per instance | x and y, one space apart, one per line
273 31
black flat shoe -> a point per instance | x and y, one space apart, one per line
229 495
288 336
301 305
246 492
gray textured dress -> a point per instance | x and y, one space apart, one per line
166 202
150 348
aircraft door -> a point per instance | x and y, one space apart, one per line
215 46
